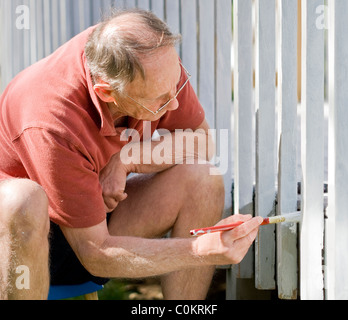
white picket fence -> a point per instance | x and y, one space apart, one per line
275 143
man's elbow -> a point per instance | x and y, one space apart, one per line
94 260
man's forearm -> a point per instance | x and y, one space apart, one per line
130 257
127 257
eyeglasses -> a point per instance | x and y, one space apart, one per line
170 100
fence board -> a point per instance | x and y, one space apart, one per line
265 143
26 40
312 108
97 9
55 21
5 40
337 247
223 91
244 114
173 17
144 4
206 67
33 27
85 10
18 35
47 28
157 7
287 185
189 38
105 6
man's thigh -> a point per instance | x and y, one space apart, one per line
151 207
154 201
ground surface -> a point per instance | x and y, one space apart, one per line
150 289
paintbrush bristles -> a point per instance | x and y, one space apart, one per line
291 217
276 219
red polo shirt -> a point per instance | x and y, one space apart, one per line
55 130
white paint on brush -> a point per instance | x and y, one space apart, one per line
290 217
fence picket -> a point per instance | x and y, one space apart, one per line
6 68
223 89
312 109
287 185
157 7
206 72
243 121
144 4
265 144
55 21
172 14
189 38
337 237
26 41
47 28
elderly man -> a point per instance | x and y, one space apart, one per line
69 211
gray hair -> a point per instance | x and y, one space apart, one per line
115 48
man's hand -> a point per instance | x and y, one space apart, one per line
113 182
230 247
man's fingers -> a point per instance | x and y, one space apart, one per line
243 245
246 228
111 203
122 197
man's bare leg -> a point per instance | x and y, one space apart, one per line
24 228
179 199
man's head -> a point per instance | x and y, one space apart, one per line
134 65
117 48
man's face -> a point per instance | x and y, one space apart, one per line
162 75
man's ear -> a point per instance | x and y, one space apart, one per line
104 92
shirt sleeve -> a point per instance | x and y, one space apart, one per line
67 176
190 113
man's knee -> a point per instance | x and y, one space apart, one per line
203 187
202 176
204 195
23 205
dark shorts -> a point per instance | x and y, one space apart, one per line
65 268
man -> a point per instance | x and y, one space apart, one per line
68 211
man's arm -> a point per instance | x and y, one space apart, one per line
178 147
118 256
127 257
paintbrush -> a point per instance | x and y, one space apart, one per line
291 217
